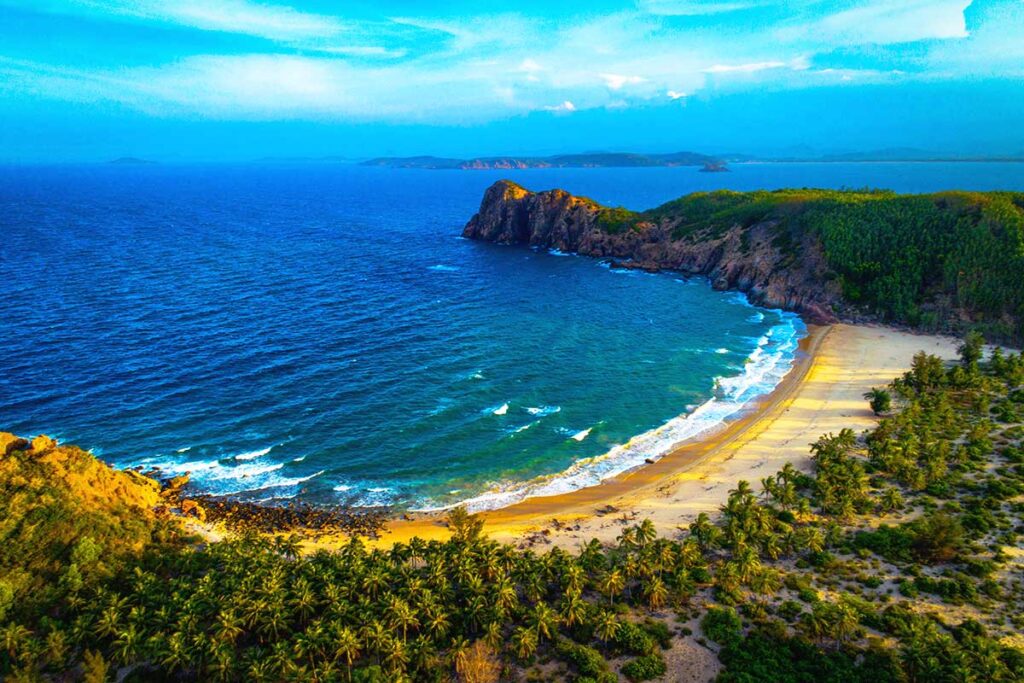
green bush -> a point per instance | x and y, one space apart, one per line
633 639
722 625
644 668
586 660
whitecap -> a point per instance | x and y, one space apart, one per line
186 449
766 366
580 435
443 268
245 471
342 487
722 350
543 410
501 410
252 455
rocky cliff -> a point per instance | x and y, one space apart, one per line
757 259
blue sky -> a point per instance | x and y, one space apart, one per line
241 79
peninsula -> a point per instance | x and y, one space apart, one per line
945 262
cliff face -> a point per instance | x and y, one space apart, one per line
774 273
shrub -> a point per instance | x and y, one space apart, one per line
631 638
659 631
722 625
586 660
936 538
645 668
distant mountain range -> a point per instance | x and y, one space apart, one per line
588 160
707 162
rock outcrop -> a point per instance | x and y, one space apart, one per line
93 484
751 259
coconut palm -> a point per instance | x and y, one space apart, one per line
612 584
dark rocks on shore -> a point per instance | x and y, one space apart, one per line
746 258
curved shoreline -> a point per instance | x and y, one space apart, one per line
652 446
513 521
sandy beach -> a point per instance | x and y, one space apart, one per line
823 393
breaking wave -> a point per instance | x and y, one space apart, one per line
770 361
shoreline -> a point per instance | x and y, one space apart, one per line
571 505
821 394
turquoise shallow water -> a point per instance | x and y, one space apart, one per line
321 332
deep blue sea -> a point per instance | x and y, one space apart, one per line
322 332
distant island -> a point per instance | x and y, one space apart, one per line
587 160
708 163
714 167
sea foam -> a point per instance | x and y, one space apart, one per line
770 361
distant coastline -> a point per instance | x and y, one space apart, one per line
705 162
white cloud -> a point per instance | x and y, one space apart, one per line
566 106
743 68
616 81
276 22
689 8
484 67
885 22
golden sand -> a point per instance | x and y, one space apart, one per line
823 393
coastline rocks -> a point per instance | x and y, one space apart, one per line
94 484
190 508
43 444
789 273
10 443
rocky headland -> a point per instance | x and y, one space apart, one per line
747 259
945 262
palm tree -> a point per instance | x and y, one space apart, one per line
766 582
655 592
607 626
612 584
402 616
437 622
574 609
346 645
646 533
880 400
544 620
395 657
505 595
706 533
524 642
892 500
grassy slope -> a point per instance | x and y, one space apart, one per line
951 260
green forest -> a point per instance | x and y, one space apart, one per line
948 261
896 559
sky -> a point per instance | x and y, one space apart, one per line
221 80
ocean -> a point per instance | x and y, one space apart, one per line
320 332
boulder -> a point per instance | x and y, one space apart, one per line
190 508
42 444
10 443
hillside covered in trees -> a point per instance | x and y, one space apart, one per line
950 261
898 558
